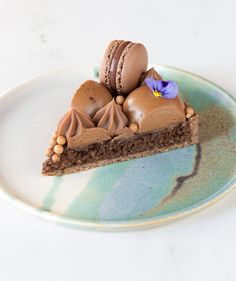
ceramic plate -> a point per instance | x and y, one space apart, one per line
133 194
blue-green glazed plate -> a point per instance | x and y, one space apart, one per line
130 195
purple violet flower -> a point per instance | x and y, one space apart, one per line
161 88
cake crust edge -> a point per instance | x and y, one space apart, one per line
194 139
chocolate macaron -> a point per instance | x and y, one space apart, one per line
122 66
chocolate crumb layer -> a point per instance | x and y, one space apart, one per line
116 150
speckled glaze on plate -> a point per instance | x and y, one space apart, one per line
134 194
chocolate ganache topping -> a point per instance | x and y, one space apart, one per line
72 123
111 117
87 137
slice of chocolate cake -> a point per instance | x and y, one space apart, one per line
103 127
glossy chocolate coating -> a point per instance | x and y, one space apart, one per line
152 113
90 97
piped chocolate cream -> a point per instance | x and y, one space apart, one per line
151 112
72 122
90 97
111 117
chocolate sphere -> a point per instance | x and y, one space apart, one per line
90 97
151 112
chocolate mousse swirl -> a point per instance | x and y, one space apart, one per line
72 122
111 117
151 73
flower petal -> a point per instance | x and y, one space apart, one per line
151 83
169 89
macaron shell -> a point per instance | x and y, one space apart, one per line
106 62
133 63
115 62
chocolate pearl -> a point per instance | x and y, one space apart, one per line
48 152
52 141
61 140
55 158
120 100
58 149
189 112
54 135
134 127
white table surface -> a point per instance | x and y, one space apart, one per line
39 36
